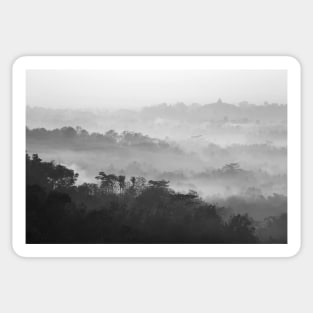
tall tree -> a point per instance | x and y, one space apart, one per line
121 182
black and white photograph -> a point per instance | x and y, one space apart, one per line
156 156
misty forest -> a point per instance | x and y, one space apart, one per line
213 173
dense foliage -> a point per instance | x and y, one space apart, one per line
121 210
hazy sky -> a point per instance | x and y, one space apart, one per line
133 89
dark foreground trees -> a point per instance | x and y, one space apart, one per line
118 210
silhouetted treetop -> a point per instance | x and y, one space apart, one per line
129 210
48 174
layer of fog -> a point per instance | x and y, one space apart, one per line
219 123
233 155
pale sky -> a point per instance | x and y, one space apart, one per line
103 89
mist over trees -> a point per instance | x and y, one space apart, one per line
219 122
80 139
208 169
195 113
134 210
213 173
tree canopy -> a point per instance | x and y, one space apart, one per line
118 209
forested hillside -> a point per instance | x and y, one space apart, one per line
119 209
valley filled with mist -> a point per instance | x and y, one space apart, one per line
232 155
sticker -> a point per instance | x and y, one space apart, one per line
156 156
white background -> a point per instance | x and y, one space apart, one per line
159 27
